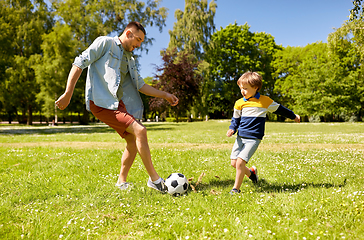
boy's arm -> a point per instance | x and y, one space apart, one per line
285 112
235 120
297 119
151 91
230 132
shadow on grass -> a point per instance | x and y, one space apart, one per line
163 126
213 184
56 130
264 186
76 129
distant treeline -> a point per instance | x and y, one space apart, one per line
38 43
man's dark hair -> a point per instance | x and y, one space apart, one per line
137 25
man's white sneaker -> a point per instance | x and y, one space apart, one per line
161 187
124 186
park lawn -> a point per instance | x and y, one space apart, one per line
58 183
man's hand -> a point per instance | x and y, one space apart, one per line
63 101
172 99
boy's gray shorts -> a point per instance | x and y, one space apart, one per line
244 148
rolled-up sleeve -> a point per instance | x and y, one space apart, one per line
91 54
140 82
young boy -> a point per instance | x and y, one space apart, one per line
249 121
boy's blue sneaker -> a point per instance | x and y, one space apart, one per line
254 174
234 191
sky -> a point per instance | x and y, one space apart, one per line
290 22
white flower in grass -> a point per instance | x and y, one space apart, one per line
226 230
61 236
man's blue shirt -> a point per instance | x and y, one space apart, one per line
103 59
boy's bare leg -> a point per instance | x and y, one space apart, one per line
241 171
142 146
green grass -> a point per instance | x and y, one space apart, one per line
58 183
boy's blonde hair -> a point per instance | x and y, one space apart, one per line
252 78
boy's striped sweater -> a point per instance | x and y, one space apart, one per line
250 115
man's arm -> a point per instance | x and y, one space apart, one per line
73 77
151 91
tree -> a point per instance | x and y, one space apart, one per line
233 51
347 45
326 80
286 66
357 12
193 28
59 52
146 99
179 77
316 80
6 57
24 24
191 33
78 24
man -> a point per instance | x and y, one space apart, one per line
112 87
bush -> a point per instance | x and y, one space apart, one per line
314 119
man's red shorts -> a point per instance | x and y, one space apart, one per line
118 119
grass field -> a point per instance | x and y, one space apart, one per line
58 183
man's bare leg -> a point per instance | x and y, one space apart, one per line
142 146
128 158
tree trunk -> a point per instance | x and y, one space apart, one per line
30 115
85 118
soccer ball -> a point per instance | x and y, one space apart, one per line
177 184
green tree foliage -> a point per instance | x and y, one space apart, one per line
286 64
79 23
347 45
180 77
6 58
357 12
332 73
325 80
53 68
233 51
317 80
22 24
194 27
191 33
